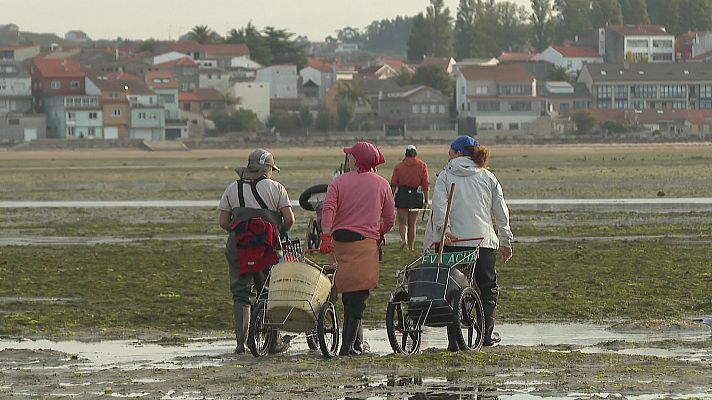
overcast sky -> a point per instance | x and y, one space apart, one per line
164 19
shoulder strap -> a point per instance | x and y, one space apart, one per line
253 186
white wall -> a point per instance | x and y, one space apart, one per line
282 80
253 96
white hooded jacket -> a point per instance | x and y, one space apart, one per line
477 203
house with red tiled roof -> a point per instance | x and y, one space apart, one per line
55 77
498 98
572 58
205 101
447 63
223 53
315 80
516 56
186 69
651 43
165 84
17 122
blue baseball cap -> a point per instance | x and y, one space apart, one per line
464 141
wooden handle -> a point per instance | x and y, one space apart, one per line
441 247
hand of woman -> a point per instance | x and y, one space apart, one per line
506 253
450 238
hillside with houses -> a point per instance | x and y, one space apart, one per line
619 81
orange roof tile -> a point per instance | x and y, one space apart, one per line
639 30
576 51
58 67
201 94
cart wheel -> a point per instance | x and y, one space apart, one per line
403 333
312 340
469 316
260 337
313 238
327 328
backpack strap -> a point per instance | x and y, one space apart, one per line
253 186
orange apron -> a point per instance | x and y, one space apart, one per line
357 265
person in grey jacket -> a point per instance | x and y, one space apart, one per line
478 210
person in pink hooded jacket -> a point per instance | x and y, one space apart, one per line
358 211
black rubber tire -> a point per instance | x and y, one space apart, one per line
259 337
304 197
327 330
313 238
400 327
469 318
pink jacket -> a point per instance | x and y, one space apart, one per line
358 202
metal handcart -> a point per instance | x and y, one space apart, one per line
298 298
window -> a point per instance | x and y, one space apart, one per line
142 115
168 98
55 85
480 90
116 112
620 91
637 43
706 105
606 103
706 91
513 126
515 90
416 108
487 106
520 106
441 109
662 44
75 85
604 91
662 57
70 116
581 105
206 106
643 91
486 126
679 105
668 91
13 121
93 115
564 106
637 104
433 108
70 131
620 104
186 106
92 132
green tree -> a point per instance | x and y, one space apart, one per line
695 15
418 41
236 121
665 13
584 120
325 120
541 24
403 77
306 119
282 121
345 113
635 12
251 36
574 19
465 34
433 76
349 34
389 35
606 12
431 34
351 94
284 50
202 34
559 74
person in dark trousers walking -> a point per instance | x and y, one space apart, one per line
478 210
255 194
358 211
410 183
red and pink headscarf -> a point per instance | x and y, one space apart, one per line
367 156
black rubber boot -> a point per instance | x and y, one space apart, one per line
452 339
491 337
241 312
348 336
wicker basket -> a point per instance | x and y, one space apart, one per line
296 293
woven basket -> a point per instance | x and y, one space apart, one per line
296 293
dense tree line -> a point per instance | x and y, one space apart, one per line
486 28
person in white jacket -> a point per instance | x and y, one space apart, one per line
478 210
